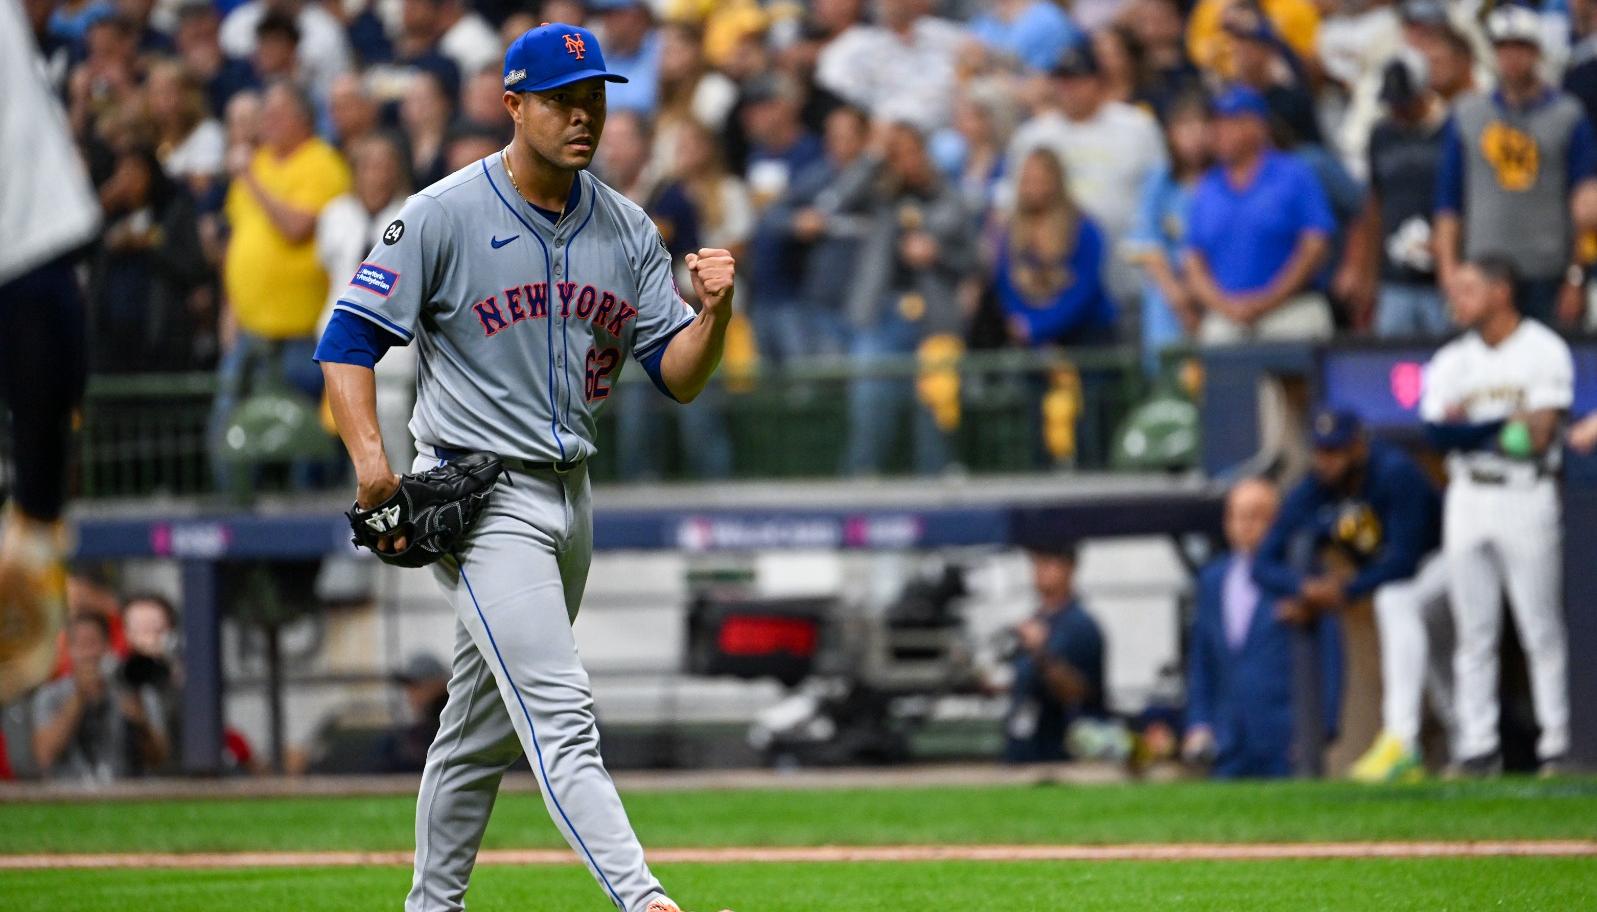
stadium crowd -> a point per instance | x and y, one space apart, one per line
895 177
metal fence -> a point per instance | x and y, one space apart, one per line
1013 411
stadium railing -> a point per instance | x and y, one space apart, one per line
145 435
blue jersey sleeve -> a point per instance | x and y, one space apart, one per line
349 339
1273 569
1406 526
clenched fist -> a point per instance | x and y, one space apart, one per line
713 271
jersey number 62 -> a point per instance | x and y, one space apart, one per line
596 375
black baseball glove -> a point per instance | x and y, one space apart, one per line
431 510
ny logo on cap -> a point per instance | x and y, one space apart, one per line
575 46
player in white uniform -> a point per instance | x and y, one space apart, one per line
1496 399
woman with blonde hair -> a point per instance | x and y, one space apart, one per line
1049 276
191 145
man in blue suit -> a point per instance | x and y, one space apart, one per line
1240 673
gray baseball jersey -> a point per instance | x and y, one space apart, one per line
523 325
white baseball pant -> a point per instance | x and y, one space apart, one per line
518 686
1495 535
1412 620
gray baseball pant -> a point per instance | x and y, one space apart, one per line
518 686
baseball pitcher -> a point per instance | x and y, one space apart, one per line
525 284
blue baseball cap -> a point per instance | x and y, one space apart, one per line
1241 101
1333 429
552 55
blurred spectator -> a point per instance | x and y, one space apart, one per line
147 266
346 230
274 285
631 48
199 47
1109 148
323 49
1167 73
92 727
1449 66
71 20
191 145
917 248
152 667
1261 61
467 144
1240 661
1049 279
1058 663
1120 63
699 205
904 68
780 146
108 78
1032 33
1170 309
971 151
426 684
1404 151
482 106
418 50
1259 231
425 114
151 40
352 111
276 54
1296 21
801 269
1512 163
623 158
1373 519
690 91
461 34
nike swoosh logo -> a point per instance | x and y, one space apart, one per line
496 243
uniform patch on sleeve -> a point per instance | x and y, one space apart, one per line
375 279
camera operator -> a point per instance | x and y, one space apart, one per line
1058 662
93 726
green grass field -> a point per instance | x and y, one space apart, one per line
1152 813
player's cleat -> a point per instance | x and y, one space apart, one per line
1388 760
1484 766
32 602
665 905
1553 767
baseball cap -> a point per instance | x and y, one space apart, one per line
1076 61
1508 24
1333 429
1241 101
552 55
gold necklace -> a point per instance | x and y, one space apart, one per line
505 157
